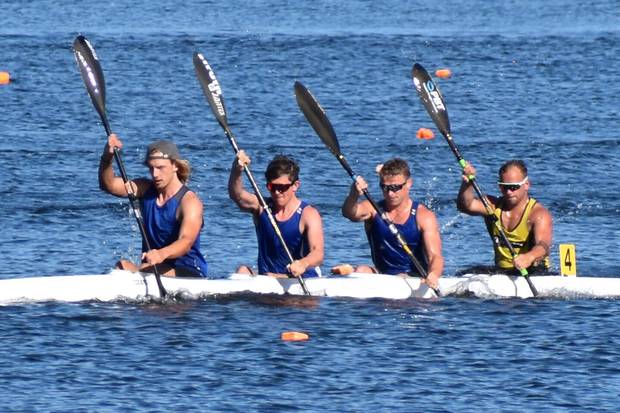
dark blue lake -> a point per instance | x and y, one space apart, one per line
531 80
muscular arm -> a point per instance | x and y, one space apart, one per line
245 200
466 200
111 183
357 211
432 243
542 227
191 217
312 226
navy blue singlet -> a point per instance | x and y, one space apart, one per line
162 229
387 254
271 255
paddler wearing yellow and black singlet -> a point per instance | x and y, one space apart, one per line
526 222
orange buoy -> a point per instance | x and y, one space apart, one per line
5 78
294 336
443 73
424 133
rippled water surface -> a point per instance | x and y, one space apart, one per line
530 80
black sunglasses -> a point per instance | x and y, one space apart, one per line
278 187
393 187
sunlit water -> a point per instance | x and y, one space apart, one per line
536 81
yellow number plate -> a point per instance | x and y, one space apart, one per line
568 260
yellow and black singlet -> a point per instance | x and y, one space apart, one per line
521 238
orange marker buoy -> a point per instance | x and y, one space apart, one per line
5 78
443 73
294 336
424 133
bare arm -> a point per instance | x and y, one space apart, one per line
245 200
542 226
312 226
354 210
429 227
191 217
108 181
466 201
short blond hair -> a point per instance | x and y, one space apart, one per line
395 166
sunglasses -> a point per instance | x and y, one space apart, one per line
511 186
278 187
393 187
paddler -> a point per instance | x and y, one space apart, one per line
415 221
173 214
526 222
299 222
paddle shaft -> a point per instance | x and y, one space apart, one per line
480 193
489 209
213 93
316 116
435 106
134 206
92 75
392 227
259 195
263 203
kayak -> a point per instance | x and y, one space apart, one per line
119 285
125 285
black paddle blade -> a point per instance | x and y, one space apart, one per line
211 88
317 118
431 98
92 74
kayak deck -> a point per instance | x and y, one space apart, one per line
124 285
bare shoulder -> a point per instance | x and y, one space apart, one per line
539 212
426 218
310 213
191 200
424 212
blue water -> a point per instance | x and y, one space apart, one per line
533 80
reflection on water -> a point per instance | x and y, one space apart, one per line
268 300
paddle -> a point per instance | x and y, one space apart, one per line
317 118
213 93
435 106
92 74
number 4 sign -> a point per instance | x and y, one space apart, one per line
568 260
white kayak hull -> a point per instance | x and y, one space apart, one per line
549 286
124 285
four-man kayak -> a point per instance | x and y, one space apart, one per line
124 285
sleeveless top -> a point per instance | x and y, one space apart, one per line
521 238
387 254
271 254
162 229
